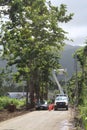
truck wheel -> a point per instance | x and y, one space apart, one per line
67 108
55 108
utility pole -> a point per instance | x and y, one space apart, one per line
76 77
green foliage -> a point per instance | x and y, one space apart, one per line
83 113
32 39
80 56
18 103
5 101
81 88
49 101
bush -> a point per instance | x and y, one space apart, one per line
5 101
83 112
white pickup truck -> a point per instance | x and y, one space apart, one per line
61 101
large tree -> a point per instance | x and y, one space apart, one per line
81 55
31 37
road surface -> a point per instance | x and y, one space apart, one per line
40 120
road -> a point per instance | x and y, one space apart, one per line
40 120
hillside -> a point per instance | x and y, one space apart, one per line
67 60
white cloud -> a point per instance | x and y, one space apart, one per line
76 31
77 27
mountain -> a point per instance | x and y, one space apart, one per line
67 61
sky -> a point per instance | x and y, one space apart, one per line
77 27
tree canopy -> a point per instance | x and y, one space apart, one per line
32 39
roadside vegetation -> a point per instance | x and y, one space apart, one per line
5 102
78 88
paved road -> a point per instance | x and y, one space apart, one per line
40 120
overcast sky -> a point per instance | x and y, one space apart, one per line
77 27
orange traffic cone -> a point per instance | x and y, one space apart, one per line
51 107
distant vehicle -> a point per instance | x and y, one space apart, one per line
61 101
41 105
65 95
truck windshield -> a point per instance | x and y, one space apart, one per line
61 98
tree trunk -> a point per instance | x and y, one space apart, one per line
46 91
31 88
27 95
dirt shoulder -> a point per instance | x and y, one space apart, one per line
5 114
